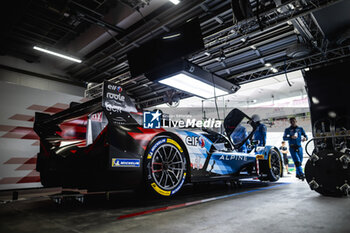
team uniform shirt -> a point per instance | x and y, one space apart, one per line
260 134
295 149
294 131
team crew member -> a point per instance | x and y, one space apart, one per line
293 136
284 151
260 133
238 135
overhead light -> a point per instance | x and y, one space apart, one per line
190 78
206 53
268 64
315 100
175 1
191 85
332 114
171 36
274 70
57 54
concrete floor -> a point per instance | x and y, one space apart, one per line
255 207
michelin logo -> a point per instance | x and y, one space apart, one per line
125 163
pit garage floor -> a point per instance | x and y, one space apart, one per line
286 206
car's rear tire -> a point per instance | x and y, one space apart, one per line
165 166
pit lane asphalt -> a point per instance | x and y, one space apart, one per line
255 207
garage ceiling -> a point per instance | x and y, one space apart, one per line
289 35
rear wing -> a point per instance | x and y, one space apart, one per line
114 102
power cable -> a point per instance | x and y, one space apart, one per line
285 73
215 100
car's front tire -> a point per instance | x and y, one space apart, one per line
275 168
165 166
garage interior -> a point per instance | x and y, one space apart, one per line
276 54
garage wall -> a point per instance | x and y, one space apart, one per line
39 83
18 142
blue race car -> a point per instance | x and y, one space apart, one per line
100 145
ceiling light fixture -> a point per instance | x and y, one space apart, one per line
190 78
268 64
175 1
207 54
274 70
57 54
188 84
171 36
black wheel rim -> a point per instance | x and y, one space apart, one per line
167 167
275 163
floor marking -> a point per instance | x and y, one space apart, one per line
196 202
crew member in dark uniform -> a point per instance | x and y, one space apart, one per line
293 136
260 133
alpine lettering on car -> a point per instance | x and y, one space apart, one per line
125 163
233 157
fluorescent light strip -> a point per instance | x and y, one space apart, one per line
175 1
191 85
171 36
56 54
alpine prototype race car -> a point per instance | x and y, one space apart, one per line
101 145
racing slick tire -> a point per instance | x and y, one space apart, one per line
165 166
273 166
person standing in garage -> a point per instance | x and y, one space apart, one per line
238 136
293 135
284 151
260 133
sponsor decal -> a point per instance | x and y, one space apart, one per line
125 163
115 88
201 142
195 141
118 97
150 154
233 157
151 120
97 117
112 108
171 141
160 191
180 185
